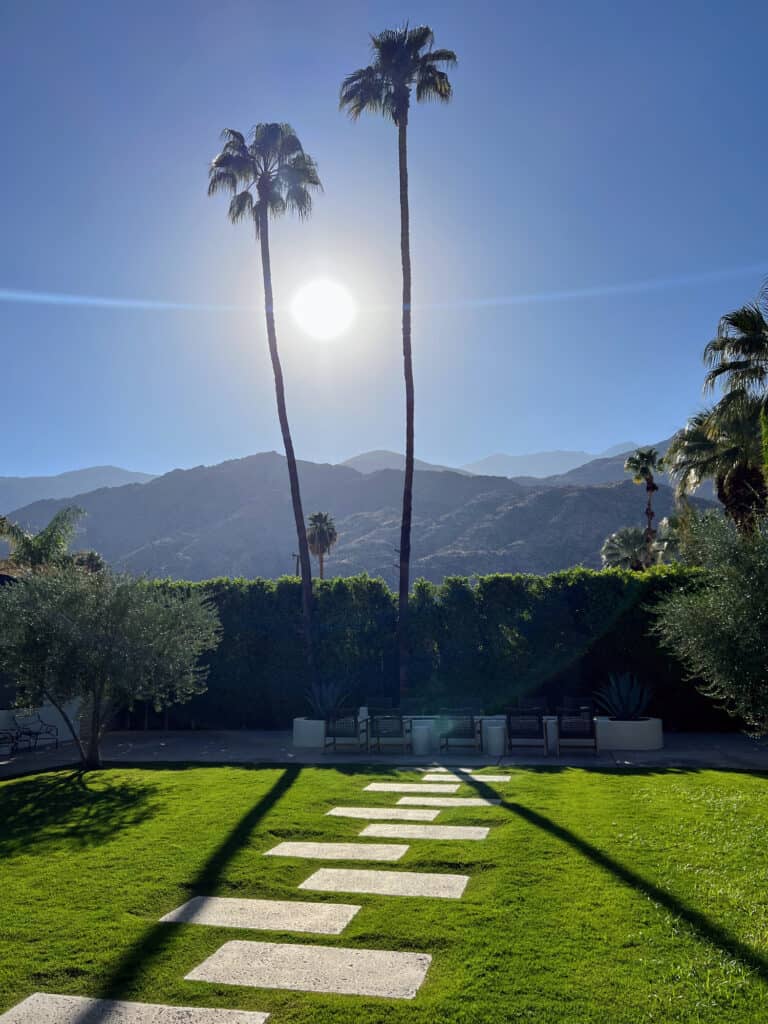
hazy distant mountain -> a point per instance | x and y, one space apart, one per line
619 449
23 490
372 462
235 519
538 465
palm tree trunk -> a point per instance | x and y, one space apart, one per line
321 560
293 473
403 645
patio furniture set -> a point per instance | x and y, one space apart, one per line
28 732
528 726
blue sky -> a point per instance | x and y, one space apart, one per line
588 147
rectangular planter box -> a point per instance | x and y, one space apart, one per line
645 734
309 732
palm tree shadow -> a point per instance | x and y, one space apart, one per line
705 929
152 944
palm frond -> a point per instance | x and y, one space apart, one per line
240 206
363 91
432 84
221 179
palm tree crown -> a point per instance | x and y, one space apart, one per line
268 174
642 464
48 547
403 59
627 549
723 444
738 357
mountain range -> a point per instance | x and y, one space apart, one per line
235 519
16 491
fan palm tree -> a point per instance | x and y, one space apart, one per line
403 60
738 357
642 464
269 175
627 549
48 547
723 444
321 536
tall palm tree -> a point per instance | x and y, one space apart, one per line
627 548
642 464
723 444
269 175
48 547
403 60
321 536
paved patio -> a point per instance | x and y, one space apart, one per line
683 750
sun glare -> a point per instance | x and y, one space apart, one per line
323 308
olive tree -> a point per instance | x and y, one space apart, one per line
718 628
105 639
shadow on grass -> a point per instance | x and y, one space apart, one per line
154 942
705 929
49 809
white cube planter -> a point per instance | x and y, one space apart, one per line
309 732
644 734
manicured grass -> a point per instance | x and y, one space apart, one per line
605 897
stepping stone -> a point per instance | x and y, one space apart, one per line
387 883
463 775
339 851
448 801
383 813
47 1009
410 787
356 972
268 915
425 832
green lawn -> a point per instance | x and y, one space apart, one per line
606 897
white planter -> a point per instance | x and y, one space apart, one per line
494 738
645 734
421 737
309 732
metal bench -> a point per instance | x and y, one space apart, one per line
526 728
31 727
348 727
461 728
391 728
576 730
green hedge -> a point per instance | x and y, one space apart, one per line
486 640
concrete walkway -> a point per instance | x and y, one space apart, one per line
682 750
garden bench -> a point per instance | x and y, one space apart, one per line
576 730
9 739
526 728
348 727
31 727
391 727
460 728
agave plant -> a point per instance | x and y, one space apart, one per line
624 698
325 699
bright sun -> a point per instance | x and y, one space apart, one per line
323 308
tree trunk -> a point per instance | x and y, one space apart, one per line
69 725
93 751
293 473
403 644
321 560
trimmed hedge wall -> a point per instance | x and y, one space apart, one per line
484 641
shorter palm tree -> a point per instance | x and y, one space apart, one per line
48 547
723 444
627 549
321 536
642 464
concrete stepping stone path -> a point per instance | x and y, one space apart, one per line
266 915
50 1009
387 883
358 972
437 777
383 813
411 787
340 851
387 831
448 801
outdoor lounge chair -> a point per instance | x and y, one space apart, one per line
32 728
526 728
461 729
576 730
348 728
8 740
391 728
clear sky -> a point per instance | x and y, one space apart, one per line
588 147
